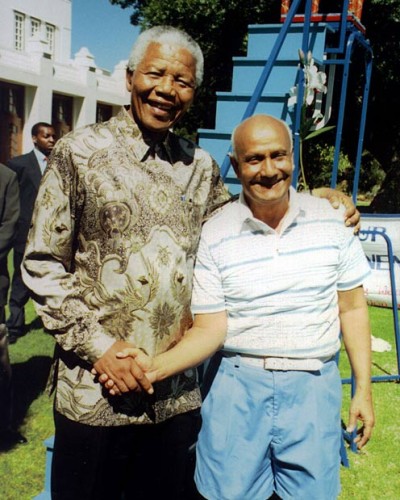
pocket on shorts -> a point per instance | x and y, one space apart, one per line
331 400
217 411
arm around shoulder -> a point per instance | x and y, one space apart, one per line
336 198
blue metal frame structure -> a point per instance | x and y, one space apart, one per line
387 378
355 36
349 36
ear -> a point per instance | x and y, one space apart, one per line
234 164
129 79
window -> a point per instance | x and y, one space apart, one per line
103 112
19 35
61 116
50 37
35 26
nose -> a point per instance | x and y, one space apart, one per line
267 167
166 85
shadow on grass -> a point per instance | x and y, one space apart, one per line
35 324
29 381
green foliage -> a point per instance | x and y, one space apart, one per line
318 132
382 21
318 160
371 175
387 199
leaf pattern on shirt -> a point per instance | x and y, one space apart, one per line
161 320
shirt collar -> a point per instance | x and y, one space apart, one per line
39 155
41 159
143 147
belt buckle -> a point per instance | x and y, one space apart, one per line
270 363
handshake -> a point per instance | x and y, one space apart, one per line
124 368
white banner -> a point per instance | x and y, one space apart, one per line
378 286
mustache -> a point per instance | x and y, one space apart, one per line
269 181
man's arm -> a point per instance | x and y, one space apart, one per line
335 198
206 336
48 271
10 214
356 333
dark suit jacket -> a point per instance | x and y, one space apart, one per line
9 208
29 175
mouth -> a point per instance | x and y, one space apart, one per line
161 109
268 182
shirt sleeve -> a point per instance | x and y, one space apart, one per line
353 265
208 295
10 214
218 195
49 266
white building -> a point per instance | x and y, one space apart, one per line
40 82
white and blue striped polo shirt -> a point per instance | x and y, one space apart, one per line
279 290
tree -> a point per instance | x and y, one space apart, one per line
220 27
382 20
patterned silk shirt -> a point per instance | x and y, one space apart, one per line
110 256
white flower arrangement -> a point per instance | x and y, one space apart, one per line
312 120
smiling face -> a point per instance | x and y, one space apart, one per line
263 163
162 87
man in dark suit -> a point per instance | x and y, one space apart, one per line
9 212
29 169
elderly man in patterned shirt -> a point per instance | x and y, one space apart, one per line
109 260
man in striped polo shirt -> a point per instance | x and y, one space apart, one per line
278 275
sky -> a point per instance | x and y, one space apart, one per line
104 29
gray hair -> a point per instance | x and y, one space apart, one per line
289 131
170 35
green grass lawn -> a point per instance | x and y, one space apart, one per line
373 473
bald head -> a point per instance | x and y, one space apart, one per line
256 124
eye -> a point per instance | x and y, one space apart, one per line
184 84
279 156
153 74
253 160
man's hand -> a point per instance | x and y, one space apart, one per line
145 362
120 375
361 409
335 198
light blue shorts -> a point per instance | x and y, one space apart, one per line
266 431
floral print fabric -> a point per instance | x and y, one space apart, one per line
110 256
